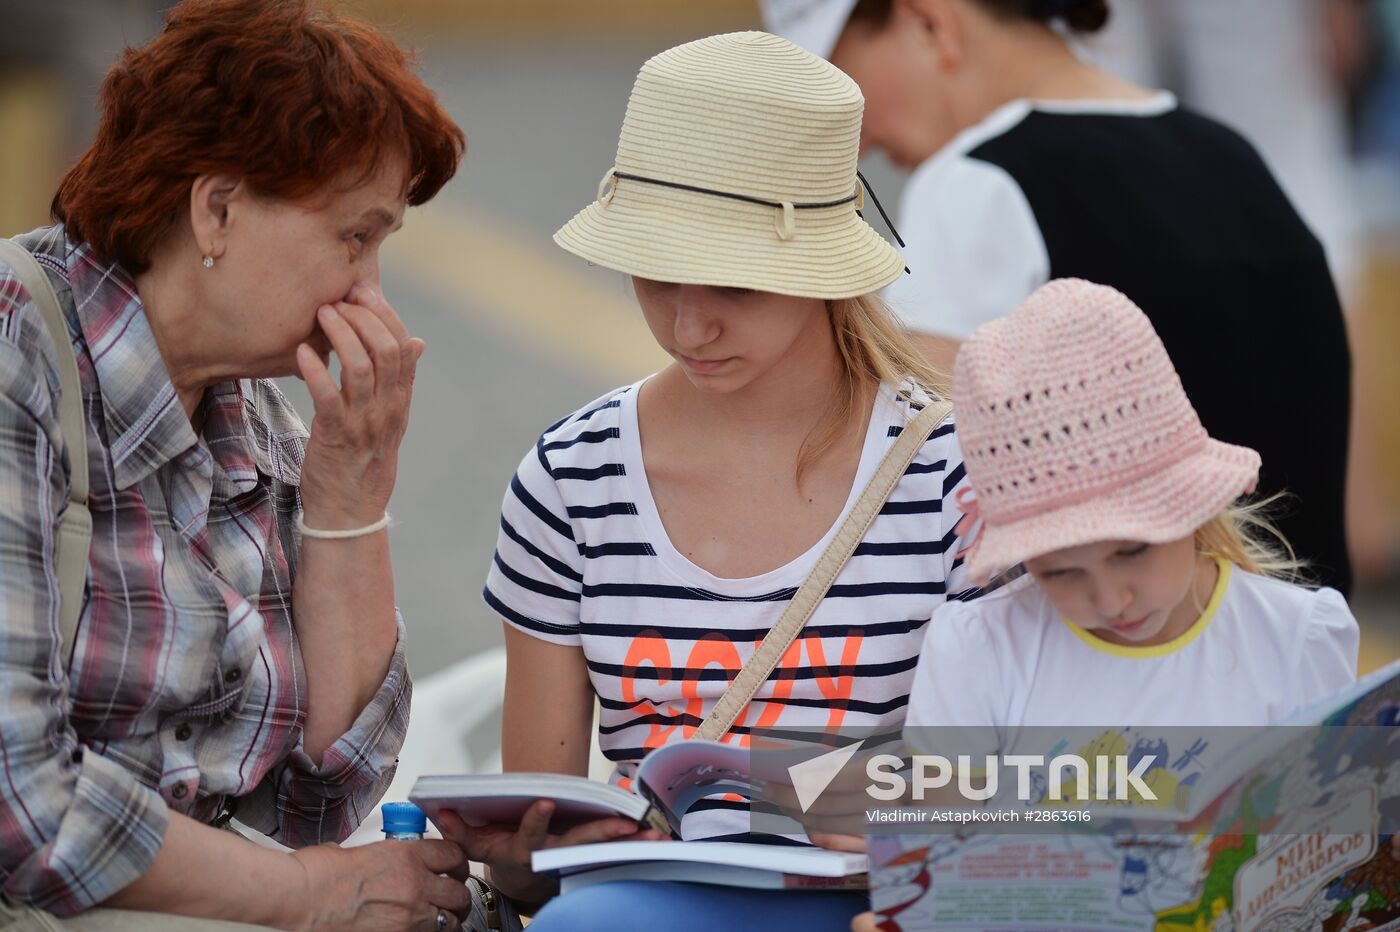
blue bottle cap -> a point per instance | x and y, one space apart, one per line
404 817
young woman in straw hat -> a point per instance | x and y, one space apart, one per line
1029 164
651 539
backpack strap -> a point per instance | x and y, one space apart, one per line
75 528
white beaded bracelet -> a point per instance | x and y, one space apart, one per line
368 529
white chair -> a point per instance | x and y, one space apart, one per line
455 727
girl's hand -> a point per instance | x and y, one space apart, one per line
388 886
857 844
506 849
352 456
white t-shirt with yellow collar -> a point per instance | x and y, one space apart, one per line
1261 650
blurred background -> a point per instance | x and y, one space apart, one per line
540 87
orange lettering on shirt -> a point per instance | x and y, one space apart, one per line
653 649
707 651
837 687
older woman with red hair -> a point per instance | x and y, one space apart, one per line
235 645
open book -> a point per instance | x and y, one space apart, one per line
1292 830
669 781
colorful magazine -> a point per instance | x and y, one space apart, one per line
1293 831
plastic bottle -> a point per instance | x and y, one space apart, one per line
406 822
403 821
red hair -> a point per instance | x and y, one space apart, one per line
286 94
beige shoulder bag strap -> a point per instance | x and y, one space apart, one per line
75 531
813 590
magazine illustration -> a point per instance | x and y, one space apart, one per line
1295 833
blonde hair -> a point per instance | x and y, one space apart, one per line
1245 535
873 347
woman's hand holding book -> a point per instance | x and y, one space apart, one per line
506 849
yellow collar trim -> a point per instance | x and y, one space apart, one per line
1177 643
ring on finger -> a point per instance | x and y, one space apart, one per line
444 921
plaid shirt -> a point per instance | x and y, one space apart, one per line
186 688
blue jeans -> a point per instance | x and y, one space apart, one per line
625 905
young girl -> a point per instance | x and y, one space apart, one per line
1149 596
651 539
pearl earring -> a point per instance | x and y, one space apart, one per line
208 262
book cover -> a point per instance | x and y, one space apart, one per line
1292 831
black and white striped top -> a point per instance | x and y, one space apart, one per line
583 558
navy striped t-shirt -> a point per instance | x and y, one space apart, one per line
583 558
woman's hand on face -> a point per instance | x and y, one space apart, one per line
352 456
388 886
507 849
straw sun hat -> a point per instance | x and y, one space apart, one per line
1075 429
737 167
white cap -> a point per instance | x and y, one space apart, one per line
813 24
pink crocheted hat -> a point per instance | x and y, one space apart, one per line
1075 429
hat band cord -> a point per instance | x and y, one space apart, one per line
883 216
730 194
780 205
